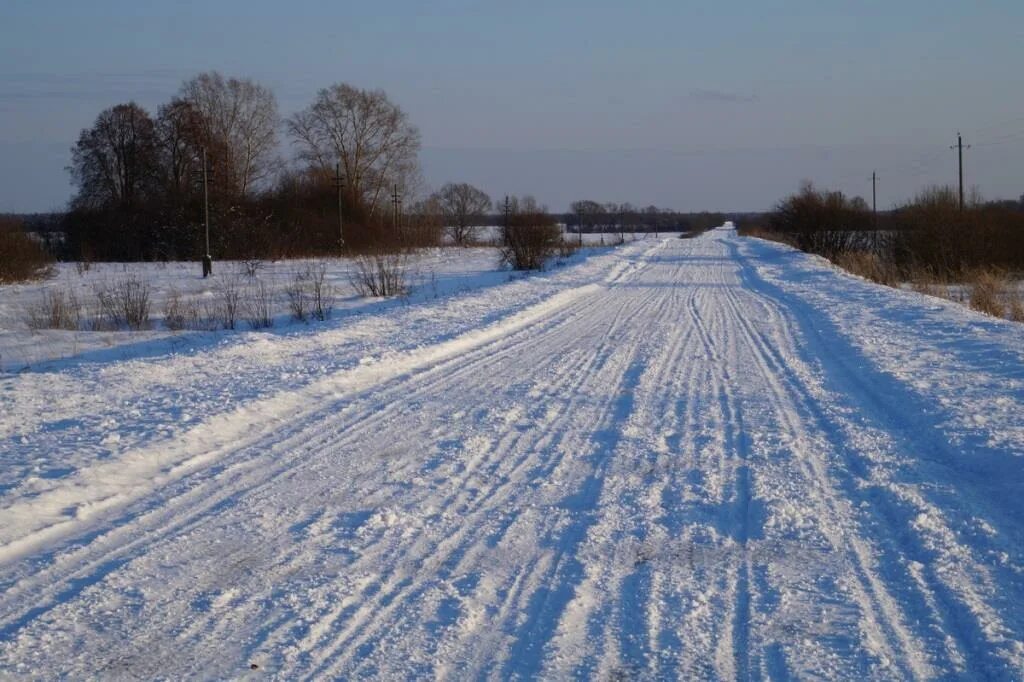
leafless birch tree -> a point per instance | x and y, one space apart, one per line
239 120
366 133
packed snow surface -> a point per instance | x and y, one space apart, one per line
701 458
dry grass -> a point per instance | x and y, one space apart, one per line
925 281
1015 306
988 290
869 266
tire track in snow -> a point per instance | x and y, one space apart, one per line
935 595
875 599
362 630
285 442
566 416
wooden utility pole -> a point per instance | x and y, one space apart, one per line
207 258
874 198
959 147
579 224
398 210
339 184
505 236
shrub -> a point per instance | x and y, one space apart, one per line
321 292
22 258
310 294
821 222
179 313
229 298
530 236
258 306
298 297
55 310
251 267
380 275
126 302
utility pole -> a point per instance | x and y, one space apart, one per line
579 224
959 147
398 211
339 183
506 237
874 198
207 259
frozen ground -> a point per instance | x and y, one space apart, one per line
698 458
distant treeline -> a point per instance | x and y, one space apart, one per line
929 233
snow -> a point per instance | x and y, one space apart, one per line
712 457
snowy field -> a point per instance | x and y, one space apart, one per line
703 458
429 274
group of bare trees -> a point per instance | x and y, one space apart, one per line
354 181
609 217
127 156
929 234
139 177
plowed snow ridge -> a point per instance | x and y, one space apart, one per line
705 458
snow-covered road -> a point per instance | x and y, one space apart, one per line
703 458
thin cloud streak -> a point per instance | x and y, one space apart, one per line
721 96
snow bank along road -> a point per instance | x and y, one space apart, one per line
705 458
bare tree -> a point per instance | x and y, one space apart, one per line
587 212
179 133
463 207
239 121
366 133
114 161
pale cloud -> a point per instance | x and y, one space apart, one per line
708 95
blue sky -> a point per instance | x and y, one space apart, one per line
723 105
